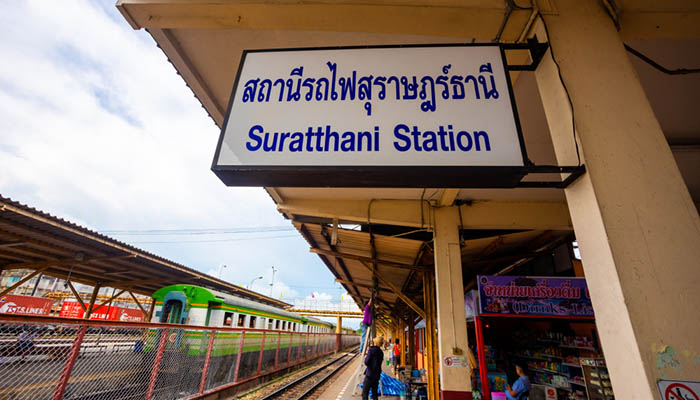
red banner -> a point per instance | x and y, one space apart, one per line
27 305
72 309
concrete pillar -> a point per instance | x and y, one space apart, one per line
451 320
637 227
432 364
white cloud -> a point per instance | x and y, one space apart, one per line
96 127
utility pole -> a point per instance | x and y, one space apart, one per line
273 279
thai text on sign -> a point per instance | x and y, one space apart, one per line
431 106
531 295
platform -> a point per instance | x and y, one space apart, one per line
341 389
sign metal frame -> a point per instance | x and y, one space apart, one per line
410 176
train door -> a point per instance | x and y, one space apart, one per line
172 312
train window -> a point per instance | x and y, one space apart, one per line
277 325
241 321
283 324
270 323
228 318
252 321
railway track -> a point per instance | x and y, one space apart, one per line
303 387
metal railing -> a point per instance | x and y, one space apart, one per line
58 358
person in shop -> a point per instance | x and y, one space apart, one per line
366 322
373 361
521 387
396 356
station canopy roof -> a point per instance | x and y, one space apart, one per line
204 41
34 240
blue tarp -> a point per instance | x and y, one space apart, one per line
389 386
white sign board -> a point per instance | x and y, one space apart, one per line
370 108
679 390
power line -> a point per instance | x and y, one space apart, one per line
218 240
198 231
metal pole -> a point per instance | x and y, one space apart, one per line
70 363
238 360
277 352
150 311
289 349
36 285
203 382
483 373
89 310
262 351
299 347
156 363
273 279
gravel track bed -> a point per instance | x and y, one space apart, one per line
280 382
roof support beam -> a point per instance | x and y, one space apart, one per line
362 285
540 215
470 18
394 289
366 259
109 300
447 197
77 295
138 303
464 19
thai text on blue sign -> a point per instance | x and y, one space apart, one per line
412 106
528 295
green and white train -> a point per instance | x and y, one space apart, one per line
291 336
195 305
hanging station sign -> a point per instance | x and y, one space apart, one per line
534 296
410 116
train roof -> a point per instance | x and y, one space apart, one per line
241 302
200 295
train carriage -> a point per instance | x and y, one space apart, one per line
199 306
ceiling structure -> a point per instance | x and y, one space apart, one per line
33 240
391 236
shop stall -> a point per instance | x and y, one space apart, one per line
544 324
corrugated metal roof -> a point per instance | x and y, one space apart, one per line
34 239
479 255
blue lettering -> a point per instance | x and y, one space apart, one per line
400 136
485 136
463 134
251 134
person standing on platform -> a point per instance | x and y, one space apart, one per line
373 361
521 387
366 322
396 356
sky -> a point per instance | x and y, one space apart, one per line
96 127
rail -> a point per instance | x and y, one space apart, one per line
294 390
60 358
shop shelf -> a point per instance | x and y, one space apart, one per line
529 357
571 365
577 347
577 383
550 356
551 371
549 341
562 388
